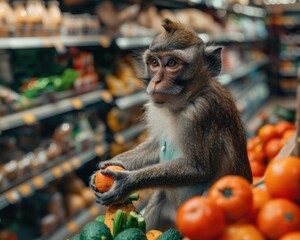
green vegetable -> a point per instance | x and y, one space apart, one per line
131 234
100 218
95 231
171 234
141 223
119 222
131 220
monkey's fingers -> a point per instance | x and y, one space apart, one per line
92 183
103 165
117 175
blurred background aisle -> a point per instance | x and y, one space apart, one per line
70 96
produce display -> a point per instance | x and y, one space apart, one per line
123 222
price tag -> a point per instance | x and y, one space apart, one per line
29 118
104 41
25 189
66 166
99 150
57 172
72 227
77 103
120 139
93 210
12 196
106 96
38 182
75 162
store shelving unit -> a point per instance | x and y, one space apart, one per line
59 42
33 115
56 170
74 224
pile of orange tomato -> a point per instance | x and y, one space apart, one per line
235 209
263 147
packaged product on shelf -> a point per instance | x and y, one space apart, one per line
36 11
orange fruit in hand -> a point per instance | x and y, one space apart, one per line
200 218
278 217
282 178
234 195
103 182
267 132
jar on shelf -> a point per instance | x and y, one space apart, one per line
7 19
21 16
52 18
35 13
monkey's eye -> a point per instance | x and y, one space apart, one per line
154 62
171 63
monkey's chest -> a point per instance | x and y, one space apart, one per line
168 151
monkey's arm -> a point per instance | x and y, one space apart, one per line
171 174
146 153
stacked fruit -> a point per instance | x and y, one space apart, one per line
234 209
263 147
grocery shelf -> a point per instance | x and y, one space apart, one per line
75 224
126 43
58 42
134 99
33 115
243 70
129 133
56 171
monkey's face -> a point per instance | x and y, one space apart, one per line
166 72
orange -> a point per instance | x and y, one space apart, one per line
253 142
257 156
103 182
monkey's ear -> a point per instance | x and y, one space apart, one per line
212 56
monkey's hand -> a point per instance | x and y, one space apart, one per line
104 164
120 188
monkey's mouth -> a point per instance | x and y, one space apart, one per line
161 98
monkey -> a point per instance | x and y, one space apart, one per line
195 131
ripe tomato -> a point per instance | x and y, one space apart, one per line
287 136
260 198
200 218
282 178
283 126
253 142
257 156
267 132
257 168
278 217
234 195
239 231
272 147
291 236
